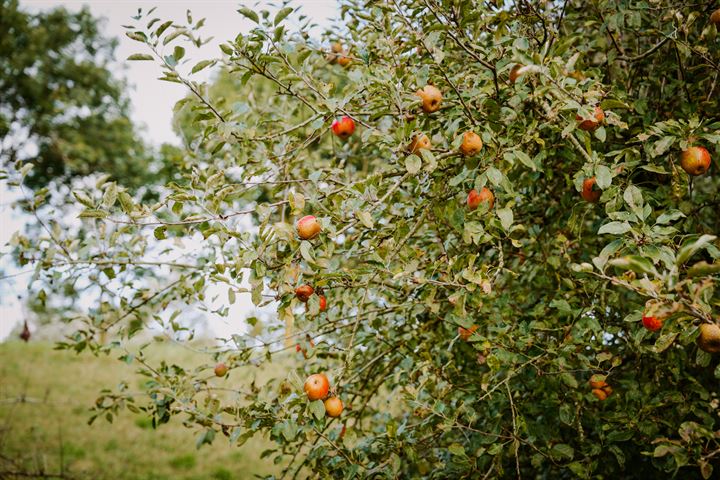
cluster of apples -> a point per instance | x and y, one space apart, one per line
317 387
600 388
338 55
304 292
471 144
708 340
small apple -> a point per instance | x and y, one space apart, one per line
308 227
715 17
317 386
333 407
344 60
590 192
471 144
431 98
599 393
515 72
323 302
221 369
709 339
335 48
591 124
466 333
597 381
474 199
343 127
304 292
608 390
652 323
695 160
420 141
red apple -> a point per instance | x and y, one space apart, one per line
343 127
475 198
695 160
304 292
591 124
652 323
317 386
589 191
308 227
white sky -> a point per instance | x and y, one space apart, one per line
152 100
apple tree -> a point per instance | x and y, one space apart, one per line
507 261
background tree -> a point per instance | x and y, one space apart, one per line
61 107
545 323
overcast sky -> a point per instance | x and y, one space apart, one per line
152 100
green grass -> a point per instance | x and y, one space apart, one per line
49 429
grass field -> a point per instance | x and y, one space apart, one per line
45 397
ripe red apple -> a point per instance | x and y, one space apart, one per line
600 394
420 141
466 333
695 160
471 144
590 192
431 98
308 227
323 302
221 370
304 292
474 199
515 72
333 406
344 60
715 17
597 381
343 127
652 323
591 124
317 386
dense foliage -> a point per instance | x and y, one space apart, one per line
549 287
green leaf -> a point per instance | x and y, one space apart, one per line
562 451
202 64
413 164
525 159
83 198
317 408
246 12
110 195
664 342
494 175
159 232
161 29
282 14
703 269
669 216
456 449
306 250
635 263
206 436
689 250
603 176
506 217
91 213
366 219
297 202
615 228
140 56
